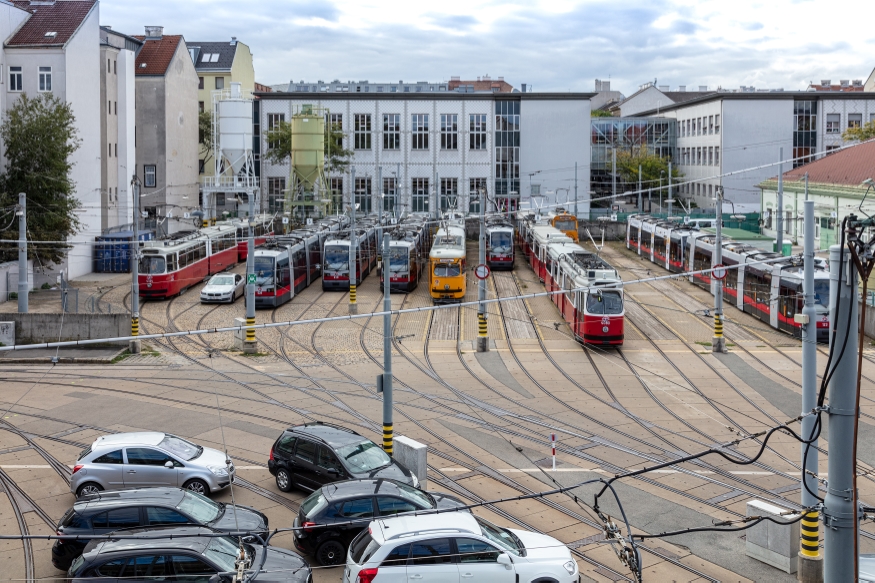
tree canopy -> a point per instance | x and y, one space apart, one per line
205 134
653 167
600 113
862 133
40 136
279 151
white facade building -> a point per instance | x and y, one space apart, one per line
433 147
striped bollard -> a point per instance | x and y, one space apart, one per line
810 566
553 442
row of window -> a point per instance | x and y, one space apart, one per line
699 156
112 66
367 88
700 126
16 79
855 120
697 189
220 82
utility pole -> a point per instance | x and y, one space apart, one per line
640 194
353 266
649 199
380 186
670 198
779 219
810 562
483 333
575 190
398 191
135 345
613 174
23 287
250 346
388 425
437 195
840 515
718 343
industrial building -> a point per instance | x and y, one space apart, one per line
432 147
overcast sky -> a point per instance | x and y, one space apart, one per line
554 45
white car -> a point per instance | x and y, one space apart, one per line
452 547
223 287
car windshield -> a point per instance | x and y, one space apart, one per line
223 552
604 303
199 507
363 457
222 280
418 497
263 271
336 258
447 269
501 242
180 447
151 265
821 293
565 225
501 536
397 259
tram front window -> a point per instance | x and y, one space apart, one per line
604 303
337 258
501 242
447 269
565 225
398 260
151 265
264 271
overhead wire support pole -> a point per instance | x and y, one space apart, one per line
250 346
23 287
575 191
353 236
483 330
640 194
779 208
388 423
135 345
670 198
718 343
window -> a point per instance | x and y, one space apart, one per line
45 79
710 155
362 131
389 506
120 518
710 124
391 131
361 508
306 451
115 149
431 552
477 131
476 551
276 194
220 82
390 194
220 199
328 460
717 124
200 106
449 131
113 457
151 567
336 121
109 150
200 82
419 195
833 123
188 568
15 80
397 557
449 193
717 155
115 67
855 120
274 120
112 568
109 66
419 131
363 194
150 180
475 185
156 515
336 186
142 456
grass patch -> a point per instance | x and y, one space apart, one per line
120 357
704 343
254 354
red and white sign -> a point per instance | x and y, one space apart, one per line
719 271
481 271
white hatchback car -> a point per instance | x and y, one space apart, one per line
223 287
452 547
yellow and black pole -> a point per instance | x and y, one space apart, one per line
718 343
249 345
482 333
134 345
353 263
386 384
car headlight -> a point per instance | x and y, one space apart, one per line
571 567
218 470
415 480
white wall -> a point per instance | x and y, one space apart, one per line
646 100
127 154
554 135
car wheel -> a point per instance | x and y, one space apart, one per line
88 488
197 486
283 480
330 553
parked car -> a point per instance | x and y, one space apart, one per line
454 546
175 558
223 287
312 455
332 507
136 460
104 512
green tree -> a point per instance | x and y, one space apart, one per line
600 113
279 150
40 136
653 167
205 135
862 133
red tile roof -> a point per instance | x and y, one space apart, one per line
494 85
64 17
156 54
848 167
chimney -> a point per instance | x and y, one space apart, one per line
844 82
857 82
703 88
154 32
523 87
826 82
233 41
663 87
682 88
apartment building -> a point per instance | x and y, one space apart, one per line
118 53
731 138
433 147
167 130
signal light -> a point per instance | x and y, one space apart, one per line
366 576
306 526
77 468
271 454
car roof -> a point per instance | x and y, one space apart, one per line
363 487
102 500
172 540
134 438
333 435
424 525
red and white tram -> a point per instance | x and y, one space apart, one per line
264 229
335 271
595 314
408 243
499 244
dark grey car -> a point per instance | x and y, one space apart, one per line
172 557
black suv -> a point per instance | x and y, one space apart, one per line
109 511
339 503
312 455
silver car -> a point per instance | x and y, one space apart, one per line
138 460
223 287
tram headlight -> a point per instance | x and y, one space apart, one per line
605 329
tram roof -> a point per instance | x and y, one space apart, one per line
447 253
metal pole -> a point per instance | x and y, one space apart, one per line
397 195
575 190
670 198
135 267
649 199
779 219
250 346
353 267
380 186
718 343
483 333
810 561
388 425
23 288
640 194
613 174
437 195
839 514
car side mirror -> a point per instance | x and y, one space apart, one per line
168 464
504 559
222 578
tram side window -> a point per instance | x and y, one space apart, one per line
701 261
282 273
731 280
202 250
171 262
313 250
788 302
300 263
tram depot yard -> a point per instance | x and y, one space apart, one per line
487 418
